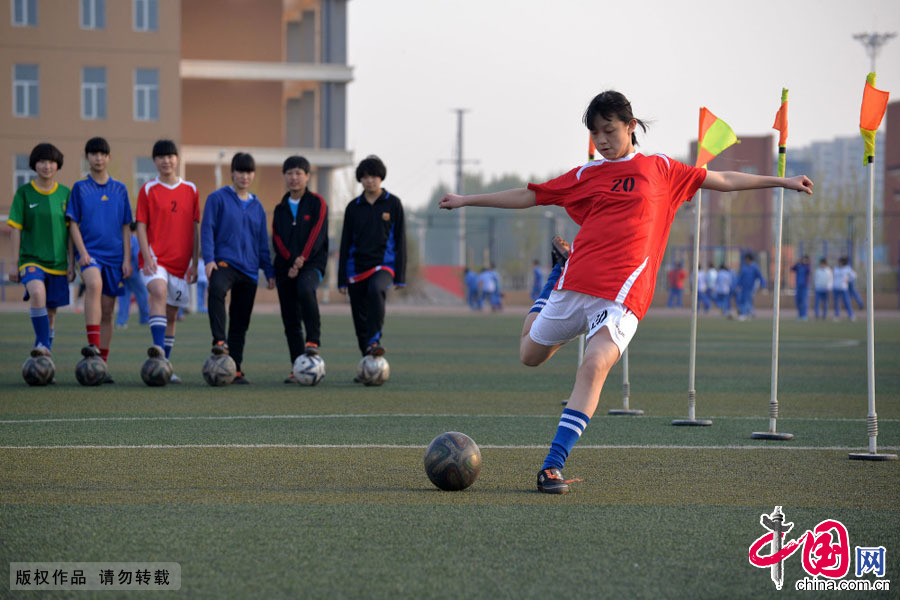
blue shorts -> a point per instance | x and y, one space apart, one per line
57 286
113 284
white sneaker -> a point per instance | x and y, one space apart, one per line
174 378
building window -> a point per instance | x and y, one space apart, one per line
25 90
24 13
93 14
146 95
145 15
93 93
144 171
23 173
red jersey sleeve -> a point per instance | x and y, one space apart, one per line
564 191
684 181
142 214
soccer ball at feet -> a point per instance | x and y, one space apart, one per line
38 370
309 369
91 371
219 370
373 370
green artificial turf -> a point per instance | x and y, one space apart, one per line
276 491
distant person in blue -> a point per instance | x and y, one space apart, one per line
702 291
537 284
748 279
801 295
724 279
851 288
486 287
842 274
134 286
823 282
470 279
99 216
496 298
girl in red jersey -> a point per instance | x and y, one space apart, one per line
625 205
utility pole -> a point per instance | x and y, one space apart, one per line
459 161
873 43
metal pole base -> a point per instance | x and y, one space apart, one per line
771 435
693 422
625 411
871 456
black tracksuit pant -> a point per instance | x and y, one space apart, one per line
243 295
299 309
367 299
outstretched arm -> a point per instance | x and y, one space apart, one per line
517 198
732 181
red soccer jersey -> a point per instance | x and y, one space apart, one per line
169 213
625 209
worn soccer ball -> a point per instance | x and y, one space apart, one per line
309 370
219 370
91 371
452 461
373 370
38 370
156 372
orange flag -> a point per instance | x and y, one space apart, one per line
781 120
874 103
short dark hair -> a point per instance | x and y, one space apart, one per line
243 163
295 162
371 165
96 144
611 104
45 151
164 148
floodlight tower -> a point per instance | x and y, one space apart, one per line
873 43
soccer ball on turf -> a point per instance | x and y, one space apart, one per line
91 371
452 461
309 370
219 370
156 372
373 370
38 370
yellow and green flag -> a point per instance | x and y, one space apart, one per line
715 136
874 103
781 124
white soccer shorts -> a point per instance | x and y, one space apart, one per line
178 293
568 314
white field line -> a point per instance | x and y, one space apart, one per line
385 415
421 447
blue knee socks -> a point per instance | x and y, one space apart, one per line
571 425
555 273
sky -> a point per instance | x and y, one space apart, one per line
525 71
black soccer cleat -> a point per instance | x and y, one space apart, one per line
40 350
220 348
240 379
312 349
559 251
290 379
156 352
108 379
90 350
550 481
375 350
